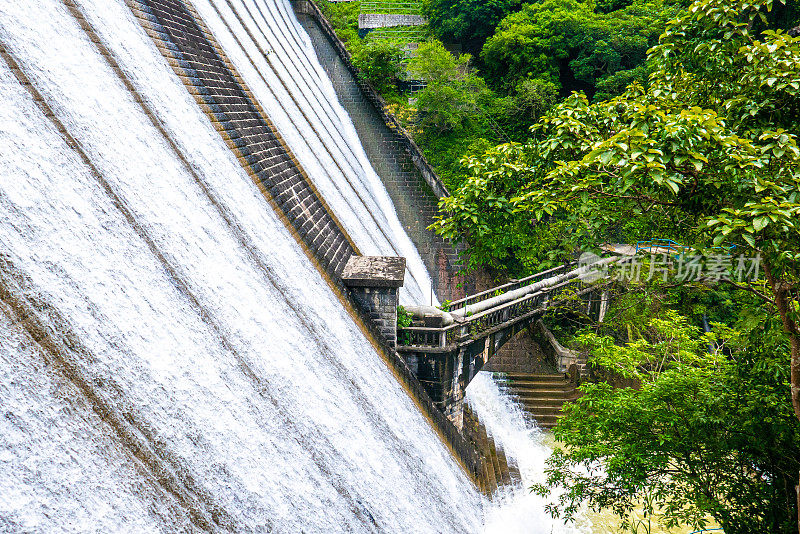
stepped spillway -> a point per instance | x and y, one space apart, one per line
171 360
276 58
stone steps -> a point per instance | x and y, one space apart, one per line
542 396
498 471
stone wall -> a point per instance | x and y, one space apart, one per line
522 354
409 179
203 67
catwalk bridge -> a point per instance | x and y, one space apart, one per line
446 348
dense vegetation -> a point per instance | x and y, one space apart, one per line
574 124
519 59
705 154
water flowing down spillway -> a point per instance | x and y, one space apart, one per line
277 60
171 360
516 510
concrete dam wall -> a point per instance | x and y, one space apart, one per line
171 359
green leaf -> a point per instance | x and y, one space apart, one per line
760 223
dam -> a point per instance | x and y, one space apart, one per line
180 192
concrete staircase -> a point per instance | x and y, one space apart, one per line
498 471
541 395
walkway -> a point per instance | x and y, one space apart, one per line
446 349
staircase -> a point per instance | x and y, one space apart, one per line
541 395
497 469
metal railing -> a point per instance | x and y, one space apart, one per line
664 244
391 8
672 247
472 327
510 286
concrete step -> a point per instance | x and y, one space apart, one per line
543 402
544 392
514 386
536 411
529 377
505 473
547 420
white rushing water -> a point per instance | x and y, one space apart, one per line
169 359
275 57
232 385
517 510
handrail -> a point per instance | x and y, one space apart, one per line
390 7
672 245
509 286
440 338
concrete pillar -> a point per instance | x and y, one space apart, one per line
374 284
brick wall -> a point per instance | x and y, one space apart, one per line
409 179
182 36
381 306
522 354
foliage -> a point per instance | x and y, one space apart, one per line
707 433
566 43
469 22
482 214
657 159
607 6
381 62
343 16
453 93
404 319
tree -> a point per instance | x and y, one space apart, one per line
729 171
468 22
483 216
565 42
452 94
709 146
381 62
706 433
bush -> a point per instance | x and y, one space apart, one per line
381 62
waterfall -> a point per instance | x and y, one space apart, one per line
277 60
517 510
170 359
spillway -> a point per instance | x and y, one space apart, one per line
171 360
276 58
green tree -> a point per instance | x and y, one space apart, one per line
381 62
468 22
483 216
710 147
705 433
565 42
453 94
